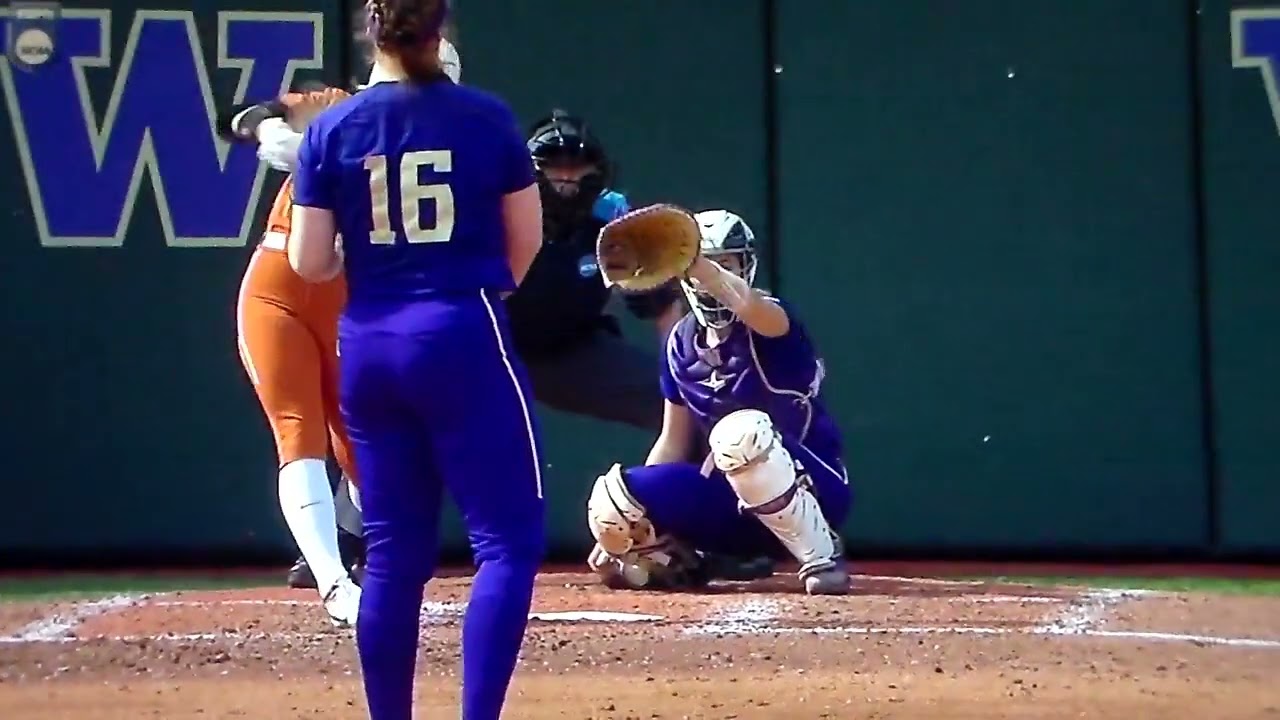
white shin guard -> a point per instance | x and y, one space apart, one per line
748 450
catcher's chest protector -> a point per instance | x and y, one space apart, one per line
726 378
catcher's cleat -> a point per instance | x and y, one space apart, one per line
832 580
342 602
301 577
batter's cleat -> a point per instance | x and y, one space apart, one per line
342 602
301 577
831 580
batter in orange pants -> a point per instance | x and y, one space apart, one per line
288 338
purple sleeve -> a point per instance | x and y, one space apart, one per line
313 181
516 165
795 342
667 381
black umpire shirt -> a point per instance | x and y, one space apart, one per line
562 299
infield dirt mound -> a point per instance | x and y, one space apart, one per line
898 648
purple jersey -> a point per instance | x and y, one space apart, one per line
415 175
433 399
781 376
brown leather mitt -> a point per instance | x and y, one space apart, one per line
647 247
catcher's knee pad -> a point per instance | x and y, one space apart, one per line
747 448
616 520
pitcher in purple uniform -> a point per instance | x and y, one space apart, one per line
740 366
431 190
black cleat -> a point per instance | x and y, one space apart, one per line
300 577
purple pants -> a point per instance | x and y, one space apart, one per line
702 510
434 402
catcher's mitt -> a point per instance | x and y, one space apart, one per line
300 108
647 247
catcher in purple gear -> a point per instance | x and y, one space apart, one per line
741 367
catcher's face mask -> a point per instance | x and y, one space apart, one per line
727 240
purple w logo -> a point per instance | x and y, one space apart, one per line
1255 43
84 165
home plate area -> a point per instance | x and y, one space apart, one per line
897 647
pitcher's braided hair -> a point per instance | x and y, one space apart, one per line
409 30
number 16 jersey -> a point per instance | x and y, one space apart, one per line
415 174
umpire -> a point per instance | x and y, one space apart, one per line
577 358
573 349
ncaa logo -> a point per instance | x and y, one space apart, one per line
33 47
588 266
30 33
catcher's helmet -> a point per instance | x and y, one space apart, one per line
724 235
563 140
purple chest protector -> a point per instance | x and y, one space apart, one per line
780 376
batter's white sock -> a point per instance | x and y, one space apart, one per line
306 499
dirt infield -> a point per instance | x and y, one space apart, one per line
898 648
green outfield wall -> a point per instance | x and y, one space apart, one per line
1037 243
1238 48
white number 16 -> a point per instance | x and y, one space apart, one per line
412 194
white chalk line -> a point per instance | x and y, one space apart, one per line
594 616
228 603
949 582
56 626
1181 637
1012 600
1084 616
730 629
429 606
725 629
1079 618
226 635
60 629
1085 612
444 607
750 617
